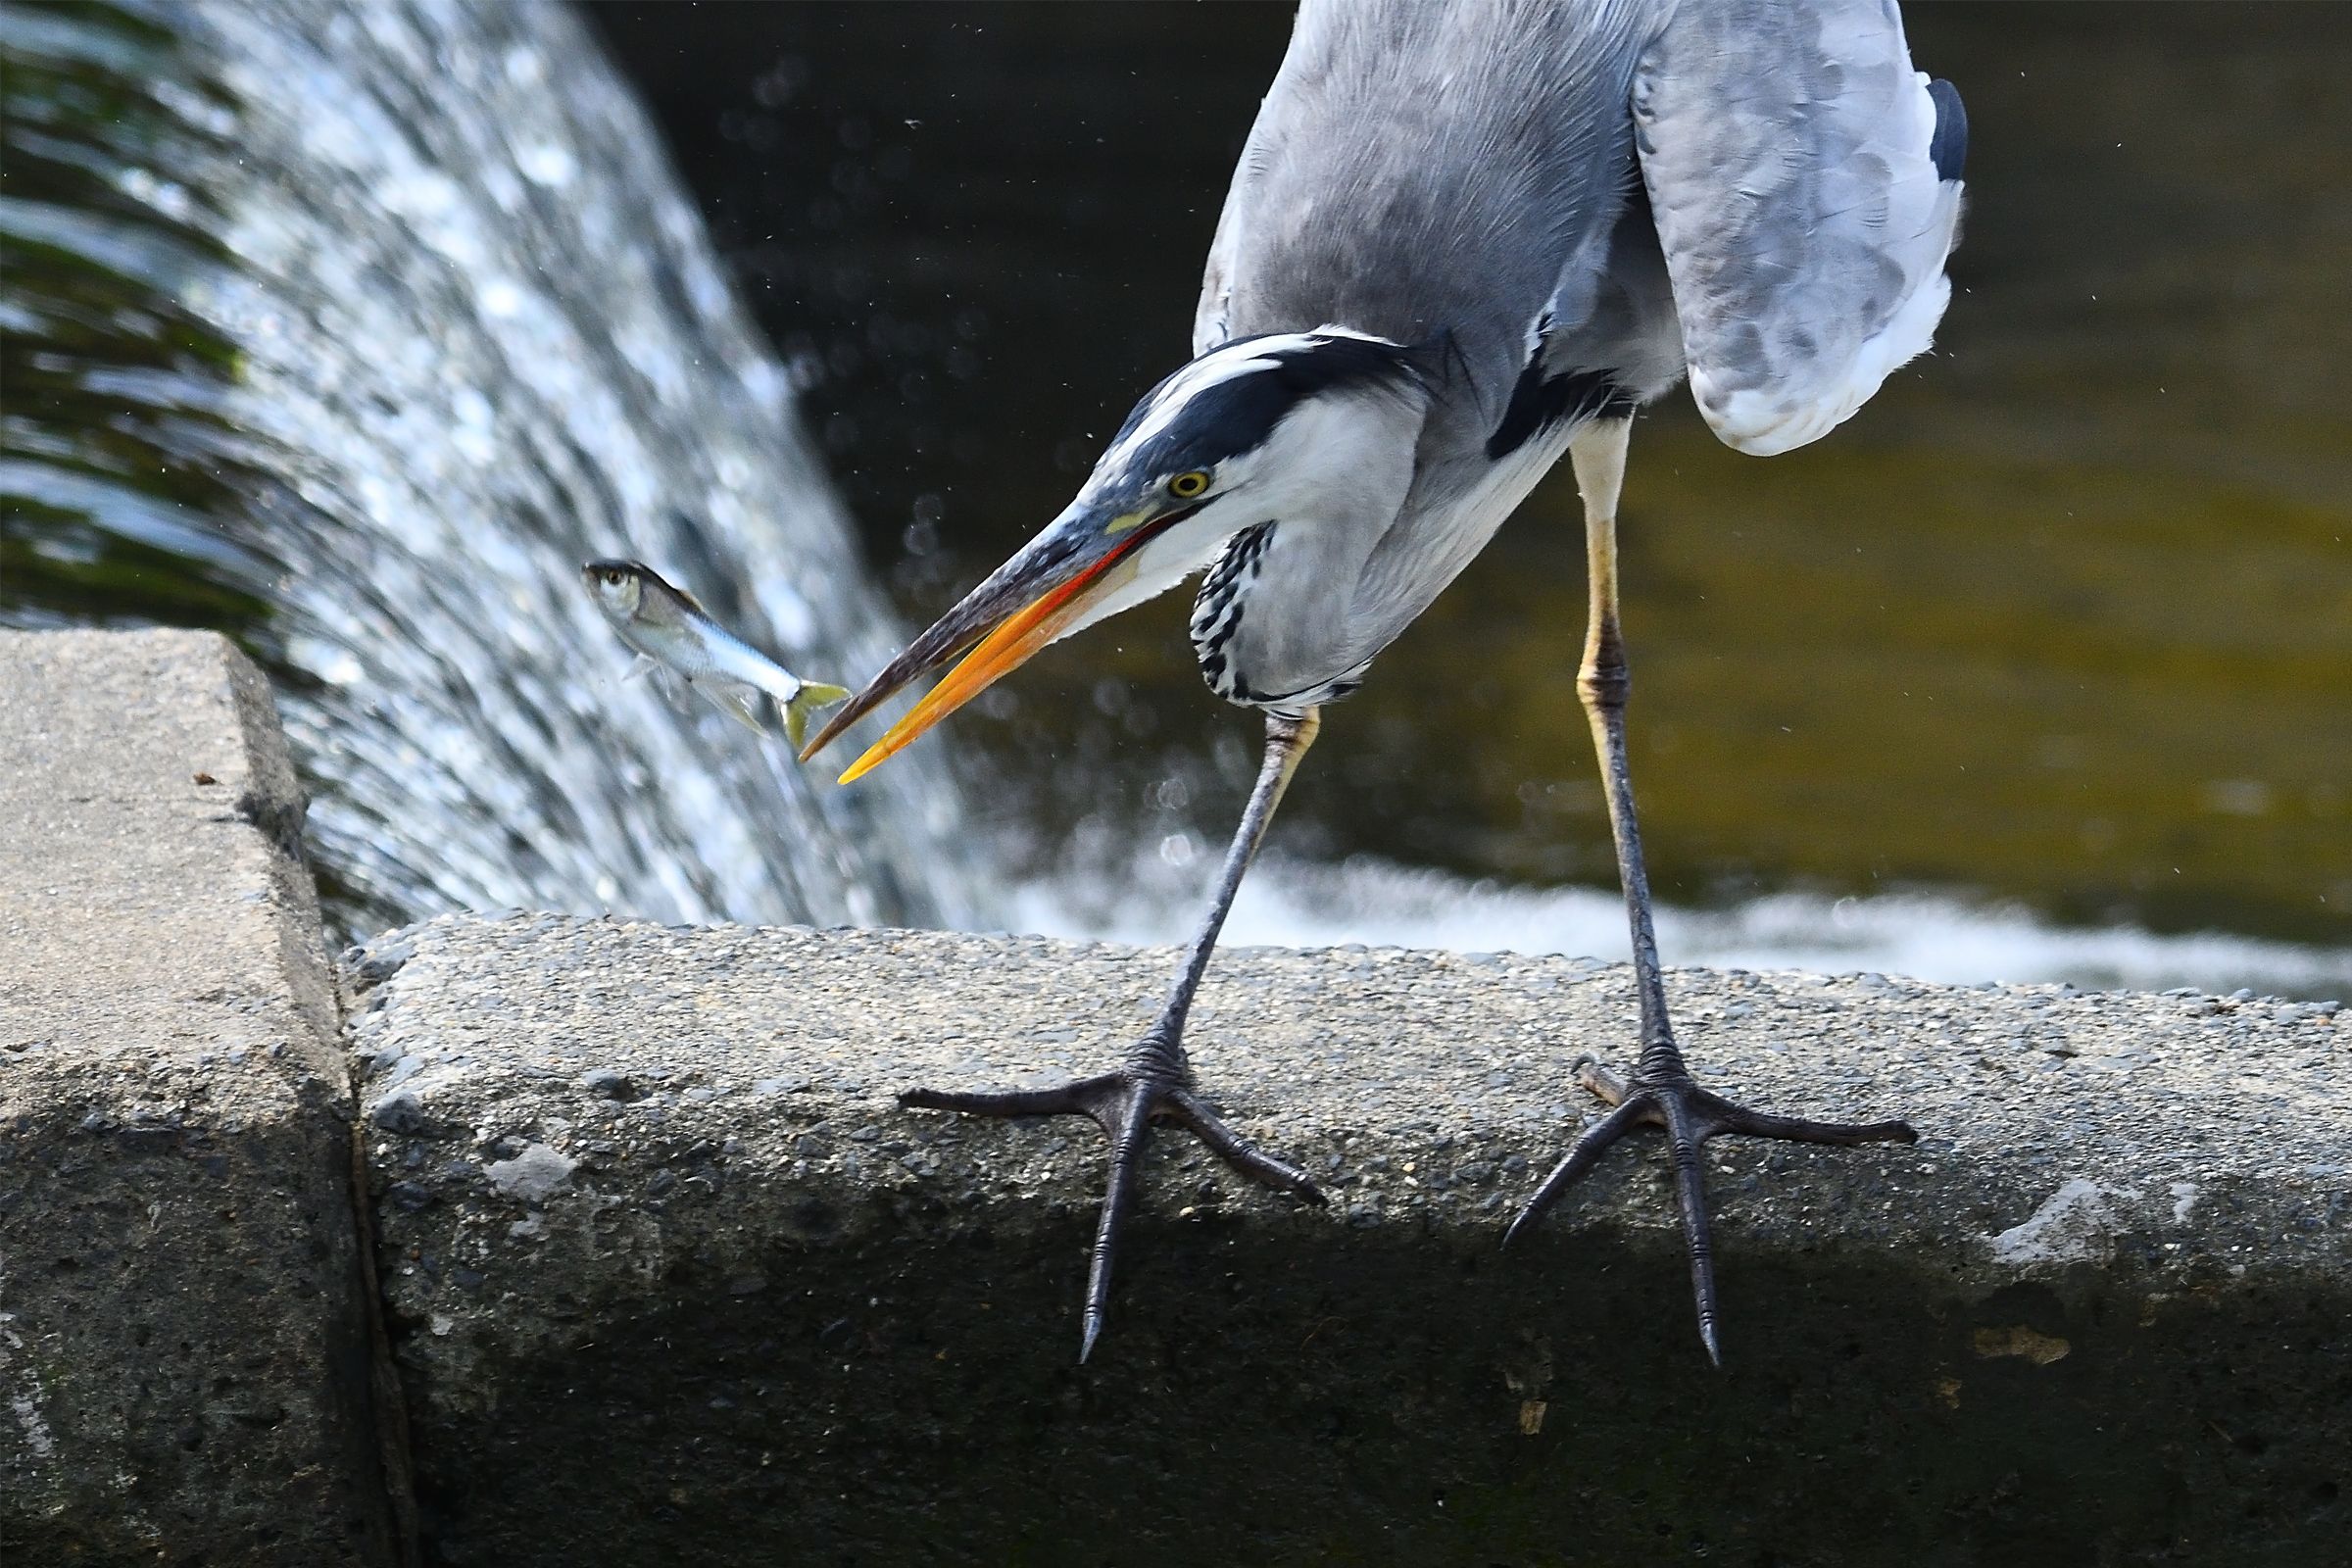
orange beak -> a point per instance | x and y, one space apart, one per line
1029 602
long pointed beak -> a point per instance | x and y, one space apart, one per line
1025 604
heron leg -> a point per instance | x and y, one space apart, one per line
1154 1083
1661 1091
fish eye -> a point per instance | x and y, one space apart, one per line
1187 485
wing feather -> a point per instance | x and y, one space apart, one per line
1805 185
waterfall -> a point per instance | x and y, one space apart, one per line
354 330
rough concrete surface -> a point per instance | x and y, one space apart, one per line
184 1355
672 1281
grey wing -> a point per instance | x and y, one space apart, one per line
1211 317
1452 176
1805 182
1272 138
1422 170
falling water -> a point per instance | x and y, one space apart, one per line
356 330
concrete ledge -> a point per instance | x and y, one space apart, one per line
183 1354
670 1280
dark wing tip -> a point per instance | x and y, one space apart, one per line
1948 147
1542 400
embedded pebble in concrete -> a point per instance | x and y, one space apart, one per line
607 1082
532 1175
2074 1224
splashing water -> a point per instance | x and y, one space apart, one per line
1922 935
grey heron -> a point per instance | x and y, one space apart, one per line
1465 238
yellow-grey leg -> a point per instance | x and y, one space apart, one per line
1156 1081
1660 1092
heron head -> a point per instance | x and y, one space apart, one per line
1259 428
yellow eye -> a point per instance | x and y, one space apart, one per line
1185 486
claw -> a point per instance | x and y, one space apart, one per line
1580 1159
1118 1196
1123 1104
1690 1116
1263 1167
1062 1101
1691 1196
1602 1081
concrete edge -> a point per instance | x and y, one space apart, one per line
172 1019
277 804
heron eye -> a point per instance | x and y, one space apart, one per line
1185 486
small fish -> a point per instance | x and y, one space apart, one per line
670 630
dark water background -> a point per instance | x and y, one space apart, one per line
2064 616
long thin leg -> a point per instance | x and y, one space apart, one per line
1602 683
1157 1079
1286 741
1661 1091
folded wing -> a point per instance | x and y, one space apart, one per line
1806 186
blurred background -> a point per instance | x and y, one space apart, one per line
2037 668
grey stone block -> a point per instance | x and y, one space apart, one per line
672 1280
184 1360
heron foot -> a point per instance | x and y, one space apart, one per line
1124 1104
1690 1115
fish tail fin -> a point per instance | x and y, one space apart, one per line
813 695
